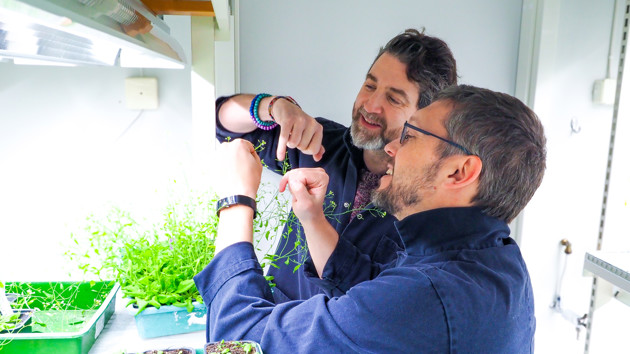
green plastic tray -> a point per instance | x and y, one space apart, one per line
87 307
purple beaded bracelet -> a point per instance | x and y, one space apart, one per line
253 112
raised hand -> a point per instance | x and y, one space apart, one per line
297 130
308 188
240 169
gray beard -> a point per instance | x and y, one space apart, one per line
360 140
393 198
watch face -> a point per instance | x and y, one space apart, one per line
236 199
224 203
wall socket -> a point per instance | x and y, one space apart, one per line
604 91
141 92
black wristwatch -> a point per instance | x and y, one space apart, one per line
236 199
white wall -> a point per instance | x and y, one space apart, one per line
573 54
319 51
63 154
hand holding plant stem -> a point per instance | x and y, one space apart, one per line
308 187
240 168
241 173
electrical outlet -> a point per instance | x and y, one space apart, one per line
141 92
604 91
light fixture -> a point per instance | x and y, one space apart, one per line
86 32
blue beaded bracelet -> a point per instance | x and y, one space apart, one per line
253 112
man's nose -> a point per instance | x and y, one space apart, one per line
392 147
373 104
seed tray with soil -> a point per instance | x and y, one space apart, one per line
232 347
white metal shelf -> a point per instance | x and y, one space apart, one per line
614 267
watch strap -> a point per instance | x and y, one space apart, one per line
236 199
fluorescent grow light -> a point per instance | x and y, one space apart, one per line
86 32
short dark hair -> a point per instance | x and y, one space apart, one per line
507 136
429 60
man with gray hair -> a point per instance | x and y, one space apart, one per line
463 168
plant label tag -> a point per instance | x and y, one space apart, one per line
99 326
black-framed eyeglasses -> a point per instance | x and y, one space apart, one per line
407 126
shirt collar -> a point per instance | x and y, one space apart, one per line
444 229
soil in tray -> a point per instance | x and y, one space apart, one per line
230 347
55 321
169 351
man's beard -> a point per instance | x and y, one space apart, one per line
361 138
407 193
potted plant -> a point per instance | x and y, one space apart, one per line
155 264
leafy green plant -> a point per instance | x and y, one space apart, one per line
155 265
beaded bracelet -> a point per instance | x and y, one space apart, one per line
253 112
273 100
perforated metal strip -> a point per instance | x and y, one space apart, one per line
611 147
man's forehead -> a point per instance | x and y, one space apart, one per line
391 72
396 86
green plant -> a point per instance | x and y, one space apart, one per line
155 264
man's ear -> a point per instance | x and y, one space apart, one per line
465 170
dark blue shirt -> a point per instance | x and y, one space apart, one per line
461 286
370 236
